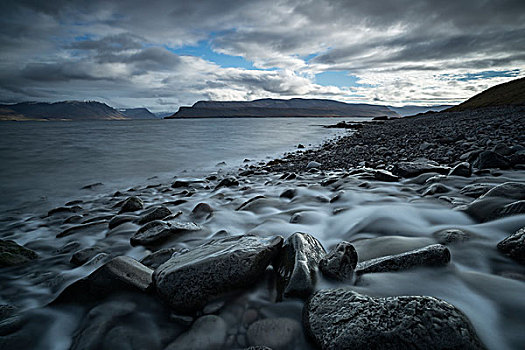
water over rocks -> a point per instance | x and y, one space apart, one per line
213 273
344 319
12 253
131 204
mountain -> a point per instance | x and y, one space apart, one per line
511 93
137 113
163 114
296 107
412 110
66 110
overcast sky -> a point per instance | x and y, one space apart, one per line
163 54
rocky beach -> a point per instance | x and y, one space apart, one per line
404 233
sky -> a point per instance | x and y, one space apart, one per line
167 53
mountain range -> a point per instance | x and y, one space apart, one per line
69 110
296 107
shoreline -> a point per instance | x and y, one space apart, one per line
390 208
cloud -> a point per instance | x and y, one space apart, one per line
400 51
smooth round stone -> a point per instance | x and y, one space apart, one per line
208 332
276 333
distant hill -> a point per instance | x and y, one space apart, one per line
412 110
163 114
511 93
137 113
296 107
66 110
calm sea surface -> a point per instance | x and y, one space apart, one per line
45 164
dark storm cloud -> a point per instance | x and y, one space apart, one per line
122 48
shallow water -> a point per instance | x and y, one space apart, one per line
378 218
47 163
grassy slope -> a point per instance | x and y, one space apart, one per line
511 93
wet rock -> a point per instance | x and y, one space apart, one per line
413 169
157 213
227 182
180 184
131 204
514 208
343 319
116 325
188 281
159 257
276 333
64 210
208 332
118 220
289 193
462 169
68 247
298 265
432 255
121 273
451 236
84 255
514 246
476 190
202 211
340 262
510 190
490 159
518 158
313 164
12 253
6 311
90 228
156 232
435 189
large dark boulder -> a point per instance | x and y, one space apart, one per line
13 254
159 257
432 255
343 319
490 159
340 262
514 246
276 333
462 169
298 265
189 280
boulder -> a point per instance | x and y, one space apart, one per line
490 159
156 232
451 236
202 211
413 169
131 204
340 262
89 228
509 190
313 164
12 253
276 333
476 190
118 220
120 273
188 281
344 319
207 332
289 193
514 246
432 255
159 257
298 264
462 169
84 255
227 182
156 213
